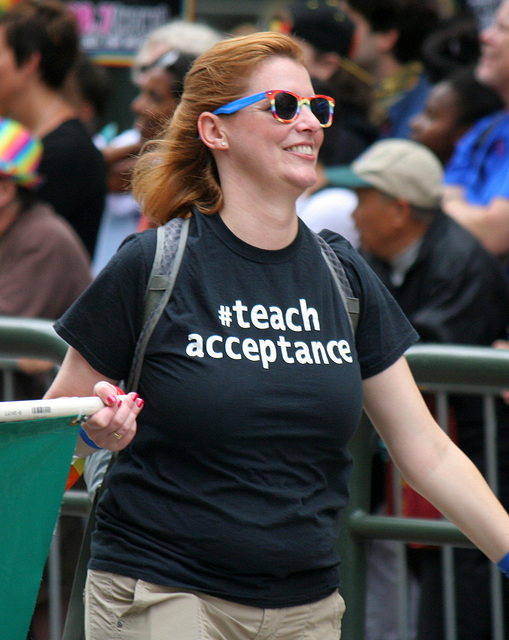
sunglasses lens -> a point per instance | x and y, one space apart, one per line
321 109
285 105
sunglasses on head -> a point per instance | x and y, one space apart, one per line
285 105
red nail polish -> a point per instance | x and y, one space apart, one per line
140 402
119 402
134 395
111 399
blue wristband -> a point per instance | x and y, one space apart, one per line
503 564
91 443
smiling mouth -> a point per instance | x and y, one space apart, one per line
302 148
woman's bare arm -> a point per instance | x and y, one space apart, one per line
431 463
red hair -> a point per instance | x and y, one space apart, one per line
178 172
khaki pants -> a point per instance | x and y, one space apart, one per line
121 608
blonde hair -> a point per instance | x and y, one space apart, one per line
178 172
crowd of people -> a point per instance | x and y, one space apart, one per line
381 125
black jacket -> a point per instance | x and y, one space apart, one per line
456 291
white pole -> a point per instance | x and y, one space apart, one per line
54 408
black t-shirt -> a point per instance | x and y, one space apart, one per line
236 478
74 175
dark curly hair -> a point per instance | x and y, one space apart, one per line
414 20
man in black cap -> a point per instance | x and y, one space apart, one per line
327 37
390 38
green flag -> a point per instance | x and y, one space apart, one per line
35 458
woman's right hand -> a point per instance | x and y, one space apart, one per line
114 426
76 377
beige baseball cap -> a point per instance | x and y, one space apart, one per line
397 167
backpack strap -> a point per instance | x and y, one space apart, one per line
341 280
170 247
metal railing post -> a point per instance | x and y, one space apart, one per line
353 549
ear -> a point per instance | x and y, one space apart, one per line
31 65
86 112
387 40
402 212
354 45
211 132
8 191
329 63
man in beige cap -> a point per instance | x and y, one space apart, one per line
453 291
398 184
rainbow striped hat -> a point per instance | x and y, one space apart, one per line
20 153
5 5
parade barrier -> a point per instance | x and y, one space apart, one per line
35 457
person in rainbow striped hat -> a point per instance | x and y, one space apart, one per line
44 265
5 5
20 154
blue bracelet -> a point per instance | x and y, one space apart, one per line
91 443
503 564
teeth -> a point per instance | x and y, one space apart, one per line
302 148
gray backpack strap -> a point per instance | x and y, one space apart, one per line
170 247
343 285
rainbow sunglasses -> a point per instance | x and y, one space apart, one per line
285 106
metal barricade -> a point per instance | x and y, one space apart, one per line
437 368
30 338
440 369
36 338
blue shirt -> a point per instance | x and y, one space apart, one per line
480 162
402 111
403 103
